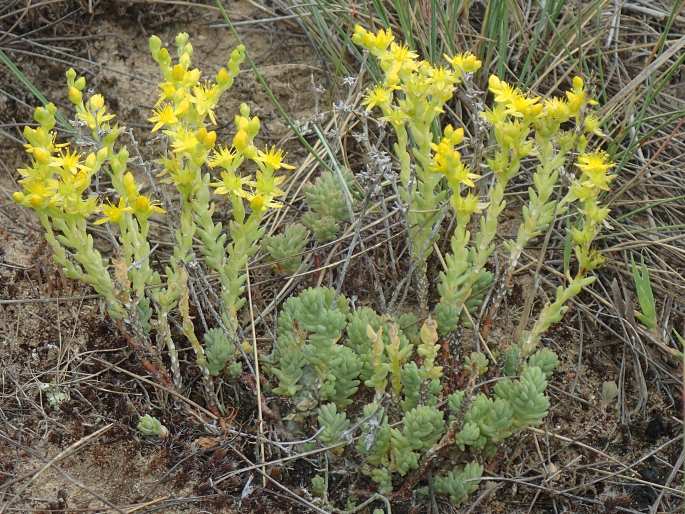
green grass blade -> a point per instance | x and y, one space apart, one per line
31 87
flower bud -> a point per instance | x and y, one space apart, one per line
164 57
71 75
91 161
253 126
183 107
207 138
36 200
178 72
130 185
75 95
154 44
141 204
45 116
578 83
80 83
241 141
223 77
182 39
102 154
168 90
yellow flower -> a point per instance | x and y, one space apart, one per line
577 97
465 205
43 187
183 141
36 194
591 125
595 167
556 109
143 207
162 116
383 38
273 158
205 98
595 162
517 104
223 158
445 156
401 55
81 181
231 184
113 213
466 62
68 161
376 43
460 174
521 106
442 81
379 96
168 91
97 102
259 202
455 136
267 184
504 93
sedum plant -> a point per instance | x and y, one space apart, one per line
151 426
378 395
58 185
287 248
375 388
329 205
411 98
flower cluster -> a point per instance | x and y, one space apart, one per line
411 97
594 179
524 128
57 180
58 184
185 113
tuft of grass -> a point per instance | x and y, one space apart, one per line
645 296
